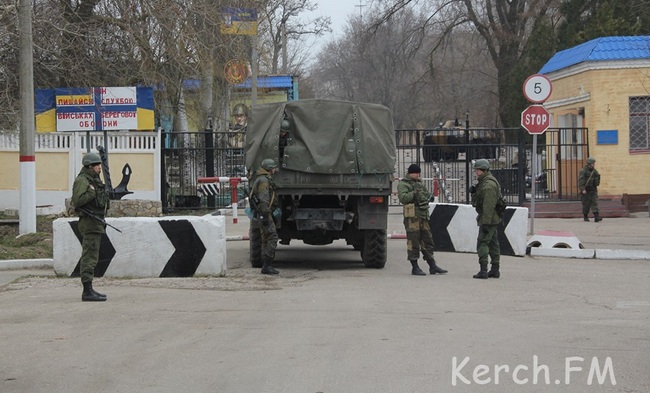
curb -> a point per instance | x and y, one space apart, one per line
589 253
26 264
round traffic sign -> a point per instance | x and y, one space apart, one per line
535 119
537 88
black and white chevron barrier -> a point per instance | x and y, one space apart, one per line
454 228
180 246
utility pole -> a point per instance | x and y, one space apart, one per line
27 212
360 9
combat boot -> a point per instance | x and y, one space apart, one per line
597 217
89 295
416 271
95 292
494 271
433 268
267 268
585 217
483 274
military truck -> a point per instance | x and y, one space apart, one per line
335 173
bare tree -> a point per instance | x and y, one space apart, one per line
505 27
404 63
281 26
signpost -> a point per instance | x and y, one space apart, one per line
535 119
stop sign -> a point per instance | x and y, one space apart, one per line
535 119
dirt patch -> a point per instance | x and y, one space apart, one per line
239 280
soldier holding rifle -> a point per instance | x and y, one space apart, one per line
91 200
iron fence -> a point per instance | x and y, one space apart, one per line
444 154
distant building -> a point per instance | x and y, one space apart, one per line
604 85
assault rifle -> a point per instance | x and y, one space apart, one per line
254 202
97 218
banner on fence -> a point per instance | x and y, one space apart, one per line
94 109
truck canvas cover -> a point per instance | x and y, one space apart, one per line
327 137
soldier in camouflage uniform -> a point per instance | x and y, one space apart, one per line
264 189
411 191
89 193
484 199
588 182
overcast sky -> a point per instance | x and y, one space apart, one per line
338 11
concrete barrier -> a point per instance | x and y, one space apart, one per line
175 246
454 228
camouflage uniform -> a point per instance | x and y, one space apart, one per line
418 231
264 189
484 200
588 181
89 192
410 190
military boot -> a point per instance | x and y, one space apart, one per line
482 273
89 295
267 268
494 271
416 271
433 268
597 217
585 217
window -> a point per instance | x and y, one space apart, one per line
639 123
571 136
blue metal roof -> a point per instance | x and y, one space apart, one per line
268 82
600 49
263 82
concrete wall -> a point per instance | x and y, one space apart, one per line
58 161
178 246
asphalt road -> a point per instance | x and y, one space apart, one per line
327 324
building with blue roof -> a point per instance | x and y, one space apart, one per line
603 85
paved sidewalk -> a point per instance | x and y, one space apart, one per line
625 233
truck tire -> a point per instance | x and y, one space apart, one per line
373 253
255 245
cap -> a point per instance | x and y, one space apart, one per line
414 168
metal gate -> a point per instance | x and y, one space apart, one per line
444 154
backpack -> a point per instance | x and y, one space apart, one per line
502 203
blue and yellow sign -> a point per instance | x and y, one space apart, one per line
242 21
94 109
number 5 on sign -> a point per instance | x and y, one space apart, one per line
537 88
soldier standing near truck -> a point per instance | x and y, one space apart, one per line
266 201
415 198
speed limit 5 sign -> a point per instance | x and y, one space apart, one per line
537 88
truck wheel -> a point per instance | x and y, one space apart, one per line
255 245
373 253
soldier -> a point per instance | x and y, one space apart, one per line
588 182
415 198
285 126
484 198
263 189
89 193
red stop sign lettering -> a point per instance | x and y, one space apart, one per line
535 119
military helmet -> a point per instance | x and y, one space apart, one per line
591 160
239 109
482 164
268 164
285 125
90 159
